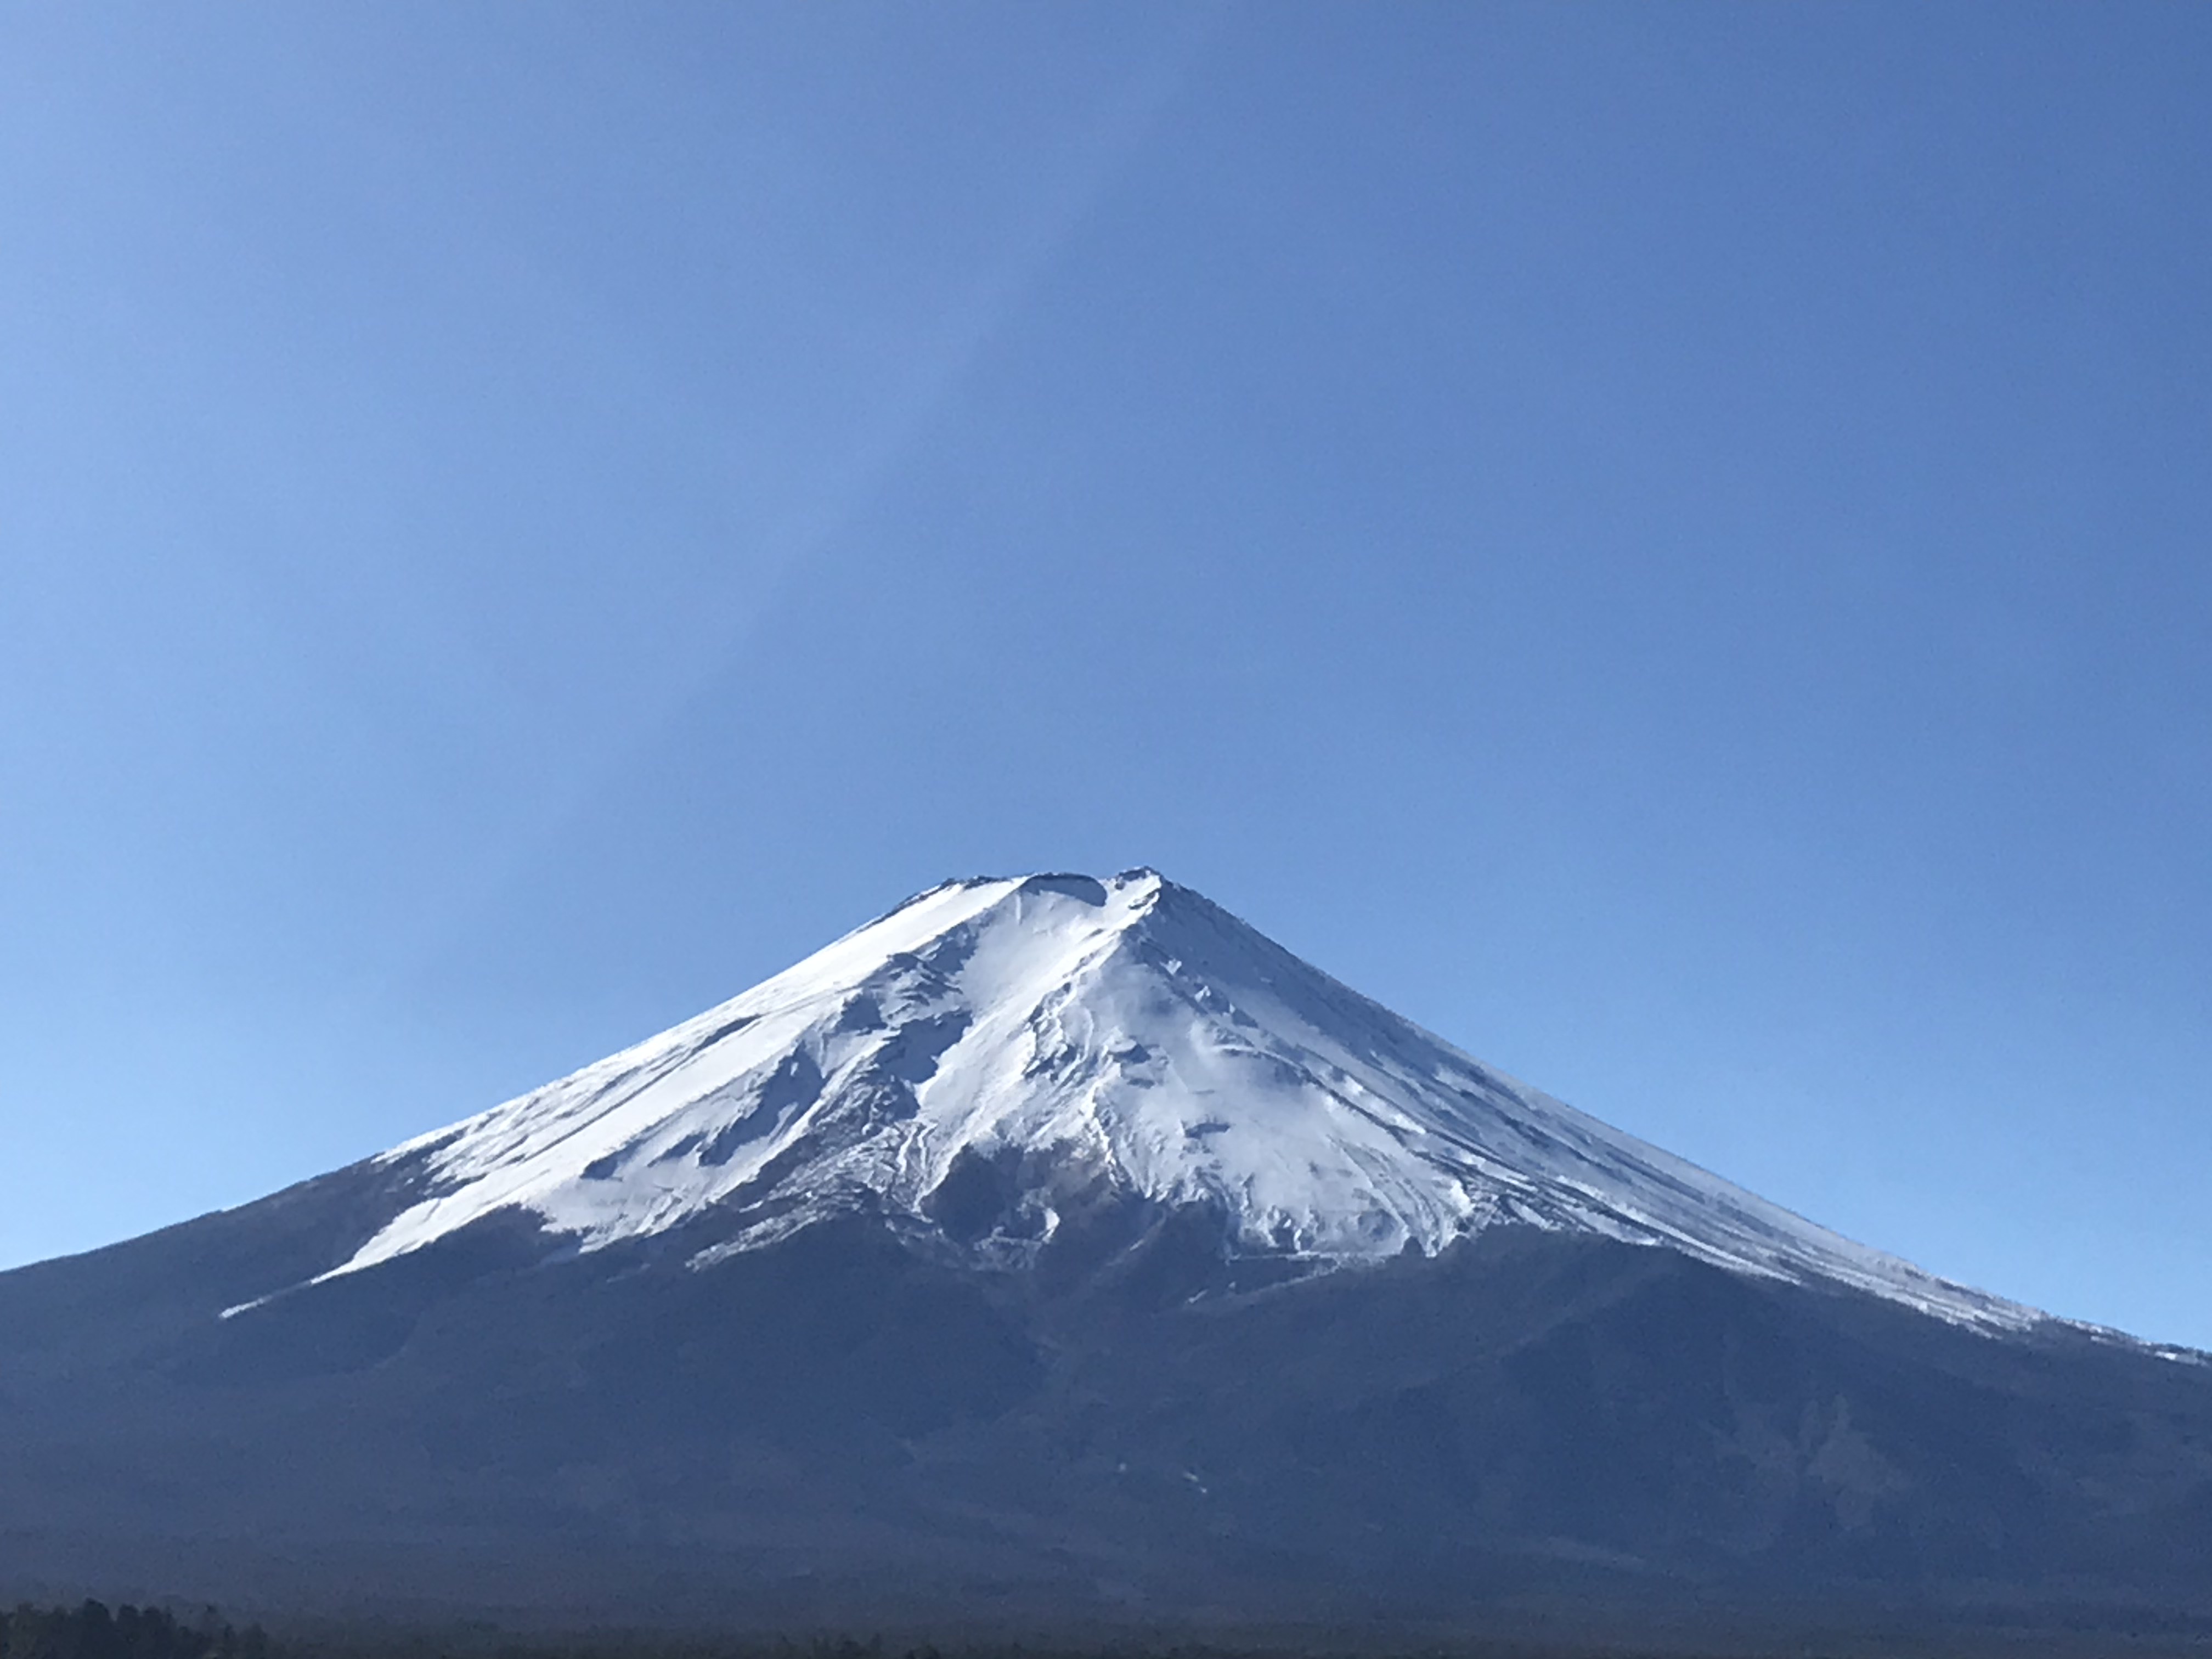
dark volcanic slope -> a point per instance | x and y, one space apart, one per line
855 1418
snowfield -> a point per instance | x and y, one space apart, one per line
995 1052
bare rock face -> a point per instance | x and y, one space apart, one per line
1061 1249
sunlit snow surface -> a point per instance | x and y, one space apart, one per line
1084 1036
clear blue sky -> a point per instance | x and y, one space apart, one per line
1673 545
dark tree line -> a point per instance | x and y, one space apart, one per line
90 1631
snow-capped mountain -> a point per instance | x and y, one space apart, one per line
1027 1044
1061 1249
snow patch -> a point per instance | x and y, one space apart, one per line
1125 1034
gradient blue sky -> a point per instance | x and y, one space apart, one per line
1671 544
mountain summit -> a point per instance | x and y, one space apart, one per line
1064 1249
998 1054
